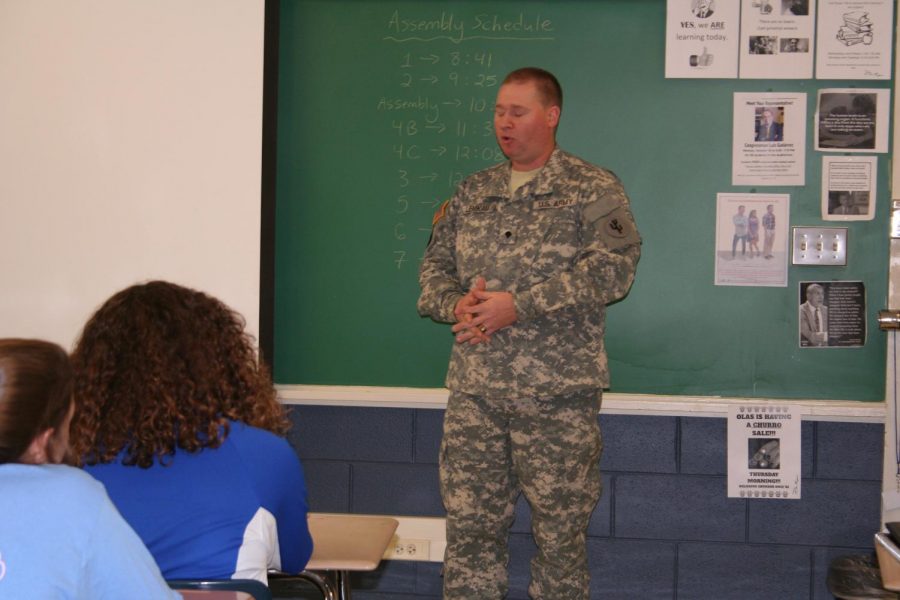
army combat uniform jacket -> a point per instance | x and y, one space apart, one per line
565 245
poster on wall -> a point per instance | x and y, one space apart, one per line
752 239
832 314
777 39
848 188
855 39
852 120
764 451
769 139
702 39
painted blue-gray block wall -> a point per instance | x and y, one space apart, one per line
664 527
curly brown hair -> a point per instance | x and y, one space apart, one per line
161 366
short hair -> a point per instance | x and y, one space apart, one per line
161 366
547 85
815 287
35 393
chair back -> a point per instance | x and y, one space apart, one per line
256 589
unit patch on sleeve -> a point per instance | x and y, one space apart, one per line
618 229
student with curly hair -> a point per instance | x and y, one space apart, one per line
60 536
178 417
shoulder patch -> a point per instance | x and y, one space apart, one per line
440 213
618 228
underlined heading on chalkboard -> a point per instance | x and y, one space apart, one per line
485 26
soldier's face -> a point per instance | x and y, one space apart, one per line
524 126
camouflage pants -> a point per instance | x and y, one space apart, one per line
548 448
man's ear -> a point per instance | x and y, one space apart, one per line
36 453
553 116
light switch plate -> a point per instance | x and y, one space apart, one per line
820 246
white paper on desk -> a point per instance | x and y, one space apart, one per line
760 159
702 38
777 39
855 39
764 451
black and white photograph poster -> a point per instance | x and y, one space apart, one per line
855 39
852 120
848 188
769 139
832 314
764 451
752 244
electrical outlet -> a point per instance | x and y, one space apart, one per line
408 550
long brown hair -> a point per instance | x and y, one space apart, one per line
161 366
35 393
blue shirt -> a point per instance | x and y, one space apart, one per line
61 538
220 513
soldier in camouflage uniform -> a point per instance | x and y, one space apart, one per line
523 259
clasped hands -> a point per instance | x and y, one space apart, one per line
480 313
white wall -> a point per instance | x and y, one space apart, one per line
130 145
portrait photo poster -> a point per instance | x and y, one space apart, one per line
832 314
752 242
769 139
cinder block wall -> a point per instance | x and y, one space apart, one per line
664 527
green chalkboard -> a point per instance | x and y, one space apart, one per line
383 107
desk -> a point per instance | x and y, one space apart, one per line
344 543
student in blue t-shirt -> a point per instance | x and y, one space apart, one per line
60 536
178 418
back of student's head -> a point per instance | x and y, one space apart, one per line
35 393
161 366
